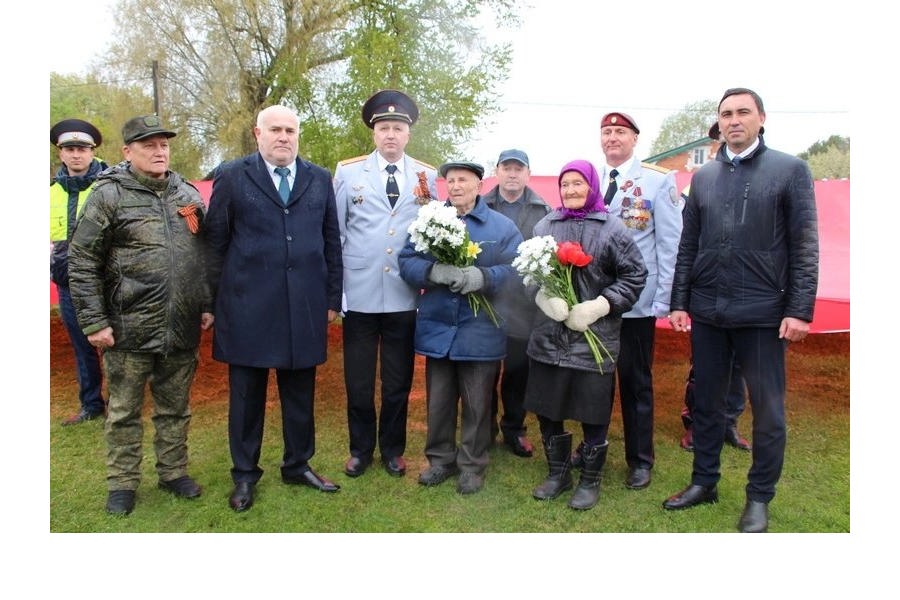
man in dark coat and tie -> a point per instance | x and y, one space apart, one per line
275 267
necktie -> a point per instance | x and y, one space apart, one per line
611 190
284 188
736 161
392 189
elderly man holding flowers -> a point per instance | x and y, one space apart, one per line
587 271
460 255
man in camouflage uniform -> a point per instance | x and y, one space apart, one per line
138 284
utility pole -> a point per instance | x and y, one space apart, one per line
155 68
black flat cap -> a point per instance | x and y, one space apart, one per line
462 164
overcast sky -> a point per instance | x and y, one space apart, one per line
575 60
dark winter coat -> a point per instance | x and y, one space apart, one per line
749 250
276 269
616 272
446 327
135 266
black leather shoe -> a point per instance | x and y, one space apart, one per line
519 445
311 479
120 502
733 438
395 466
356 466
183 487
755 518
81 417
638 478
241 496
690 496
437 474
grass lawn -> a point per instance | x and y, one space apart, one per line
813 495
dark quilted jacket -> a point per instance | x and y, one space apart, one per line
749 251
617 272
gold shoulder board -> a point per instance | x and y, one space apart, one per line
355 159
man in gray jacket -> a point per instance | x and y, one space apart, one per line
523 206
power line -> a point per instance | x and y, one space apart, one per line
658 108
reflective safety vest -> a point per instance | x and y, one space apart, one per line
59 210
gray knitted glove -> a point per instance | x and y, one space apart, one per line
585 313
445 274
472 281
555 308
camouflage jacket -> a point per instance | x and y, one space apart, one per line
136 263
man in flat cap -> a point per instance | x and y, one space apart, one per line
139 288
644 197
378 195
462 348
513 198
76 140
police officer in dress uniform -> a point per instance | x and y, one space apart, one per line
76 140
378 196
645 198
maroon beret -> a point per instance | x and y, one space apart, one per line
619 119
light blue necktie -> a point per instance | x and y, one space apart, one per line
284 188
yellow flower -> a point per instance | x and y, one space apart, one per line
473 250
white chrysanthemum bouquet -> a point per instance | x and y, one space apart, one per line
438 231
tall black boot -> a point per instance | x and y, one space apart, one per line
588 491
578 456
558 449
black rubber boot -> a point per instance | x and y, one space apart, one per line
588 491
558 449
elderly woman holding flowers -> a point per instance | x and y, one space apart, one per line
588 272
460 255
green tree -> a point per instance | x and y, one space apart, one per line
108 106
221 61
829 159
822 146
689 124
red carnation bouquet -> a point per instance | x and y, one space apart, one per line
544 262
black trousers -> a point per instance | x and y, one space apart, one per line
760 353
734 401
366 336
635 370
246 416
509 390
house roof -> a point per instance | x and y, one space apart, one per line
704 141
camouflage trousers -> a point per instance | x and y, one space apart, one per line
127 375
